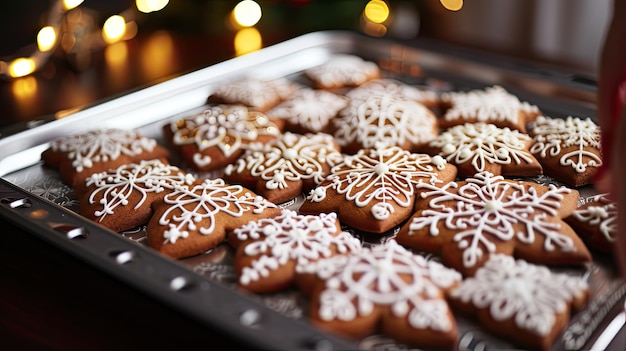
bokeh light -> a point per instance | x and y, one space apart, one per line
247 13
247 40
147 6
376 11
46 38
21 67
452 5
70 4
114 28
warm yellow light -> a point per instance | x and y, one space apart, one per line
452 5
114 28
247 40
46 38
157 55
24 88
247 13
376 11
70 4
147 6
21 67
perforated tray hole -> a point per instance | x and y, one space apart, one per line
181 283
72 232
250 318
17 202
123 256
318 344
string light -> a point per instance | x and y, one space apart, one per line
68 28
452 5
247 13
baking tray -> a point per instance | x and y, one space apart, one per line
203 286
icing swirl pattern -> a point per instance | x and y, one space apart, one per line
384 275
273 243
530 295
101 146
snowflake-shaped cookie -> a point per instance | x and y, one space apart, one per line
396 88
384 120
493 105
121 198
478 147
568 149
285 168
216 137
343 71
382 286
596 222
192 220
523 302
309 110
469 220
256 93
80 155
270 249
374 190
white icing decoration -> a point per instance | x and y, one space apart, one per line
292 157
529 294
102 146
385 176
384 120
255 93
488 207
344 70
553 134
187 207
291 237
310 109
492 104
114 187
394 88
229 128
385 275
603 215
483 144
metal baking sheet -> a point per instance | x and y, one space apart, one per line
204 286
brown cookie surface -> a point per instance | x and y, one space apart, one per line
568 149
522 302
270 250
374 190
382 288
194 219
469 220
121 198
80 155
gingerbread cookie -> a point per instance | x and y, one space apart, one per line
396 88
80 155
342 71
384 120
308 110
121 198
469 220
596 223
287 167
568 149
194 219
269 250
212 139
374 190
382 288
492 105
479 147
522 302
255 93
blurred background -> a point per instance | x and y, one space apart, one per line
57 56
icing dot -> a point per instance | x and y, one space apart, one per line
290 154
448 149
298 234
381 168
477 141
465 153
493 205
